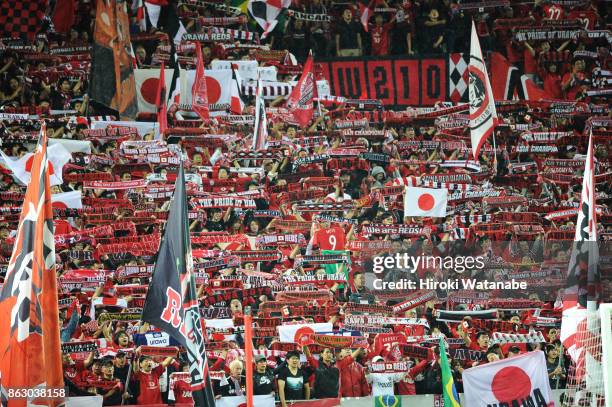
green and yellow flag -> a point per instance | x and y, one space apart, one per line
387 401
240 4
451 398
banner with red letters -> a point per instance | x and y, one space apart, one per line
396 81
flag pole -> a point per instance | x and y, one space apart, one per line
494 151
248 350
560 364
320 113
493 133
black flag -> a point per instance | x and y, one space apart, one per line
171 302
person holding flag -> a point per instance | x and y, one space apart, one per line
171 303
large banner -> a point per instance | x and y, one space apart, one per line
399 80
518 381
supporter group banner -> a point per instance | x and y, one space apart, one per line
398 81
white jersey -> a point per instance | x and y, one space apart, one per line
382 383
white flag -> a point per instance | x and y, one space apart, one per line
482 106
146 87
584 251
218 87
518 381
70 199
425 202
21 167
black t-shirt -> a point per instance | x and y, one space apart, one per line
431 34
327 379
294 384
263 383
213 226
122 372
112 400
348 34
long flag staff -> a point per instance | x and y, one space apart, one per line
128 377
248 350
559 365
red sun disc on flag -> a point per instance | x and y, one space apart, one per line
148 90
302 336
213 89
59 205
30 161
511 383
426 202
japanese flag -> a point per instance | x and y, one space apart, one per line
518 381
71 199
147 83
21 167
425 202
218 87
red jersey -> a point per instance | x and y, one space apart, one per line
76 372
553 12
150 392
410 330
62 227
380 39
552 85
570 94
330 239
588 18
182 392
406 386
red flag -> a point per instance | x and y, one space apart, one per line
30 353
302 96
248 350
160 101
63 15
199 91
236 103
502 73
533 91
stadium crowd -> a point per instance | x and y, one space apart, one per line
288 234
